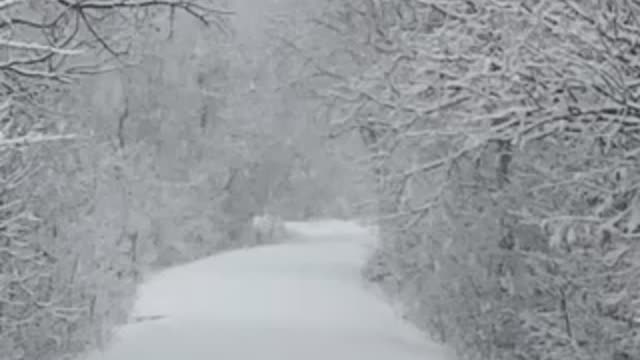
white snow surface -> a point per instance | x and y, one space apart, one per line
299 300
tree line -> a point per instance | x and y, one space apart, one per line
503 137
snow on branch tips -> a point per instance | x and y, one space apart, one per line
204 12
12 44
34 139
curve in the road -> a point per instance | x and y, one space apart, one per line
294 301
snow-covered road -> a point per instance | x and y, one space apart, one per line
302 300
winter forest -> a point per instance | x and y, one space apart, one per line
494 145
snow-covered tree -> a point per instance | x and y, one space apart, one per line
503 138
67 269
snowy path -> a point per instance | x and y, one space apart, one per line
302 300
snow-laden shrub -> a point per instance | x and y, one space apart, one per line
268 229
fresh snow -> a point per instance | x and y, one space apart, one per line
302 300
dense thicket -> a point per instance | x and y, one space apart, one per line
69 260
504 138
